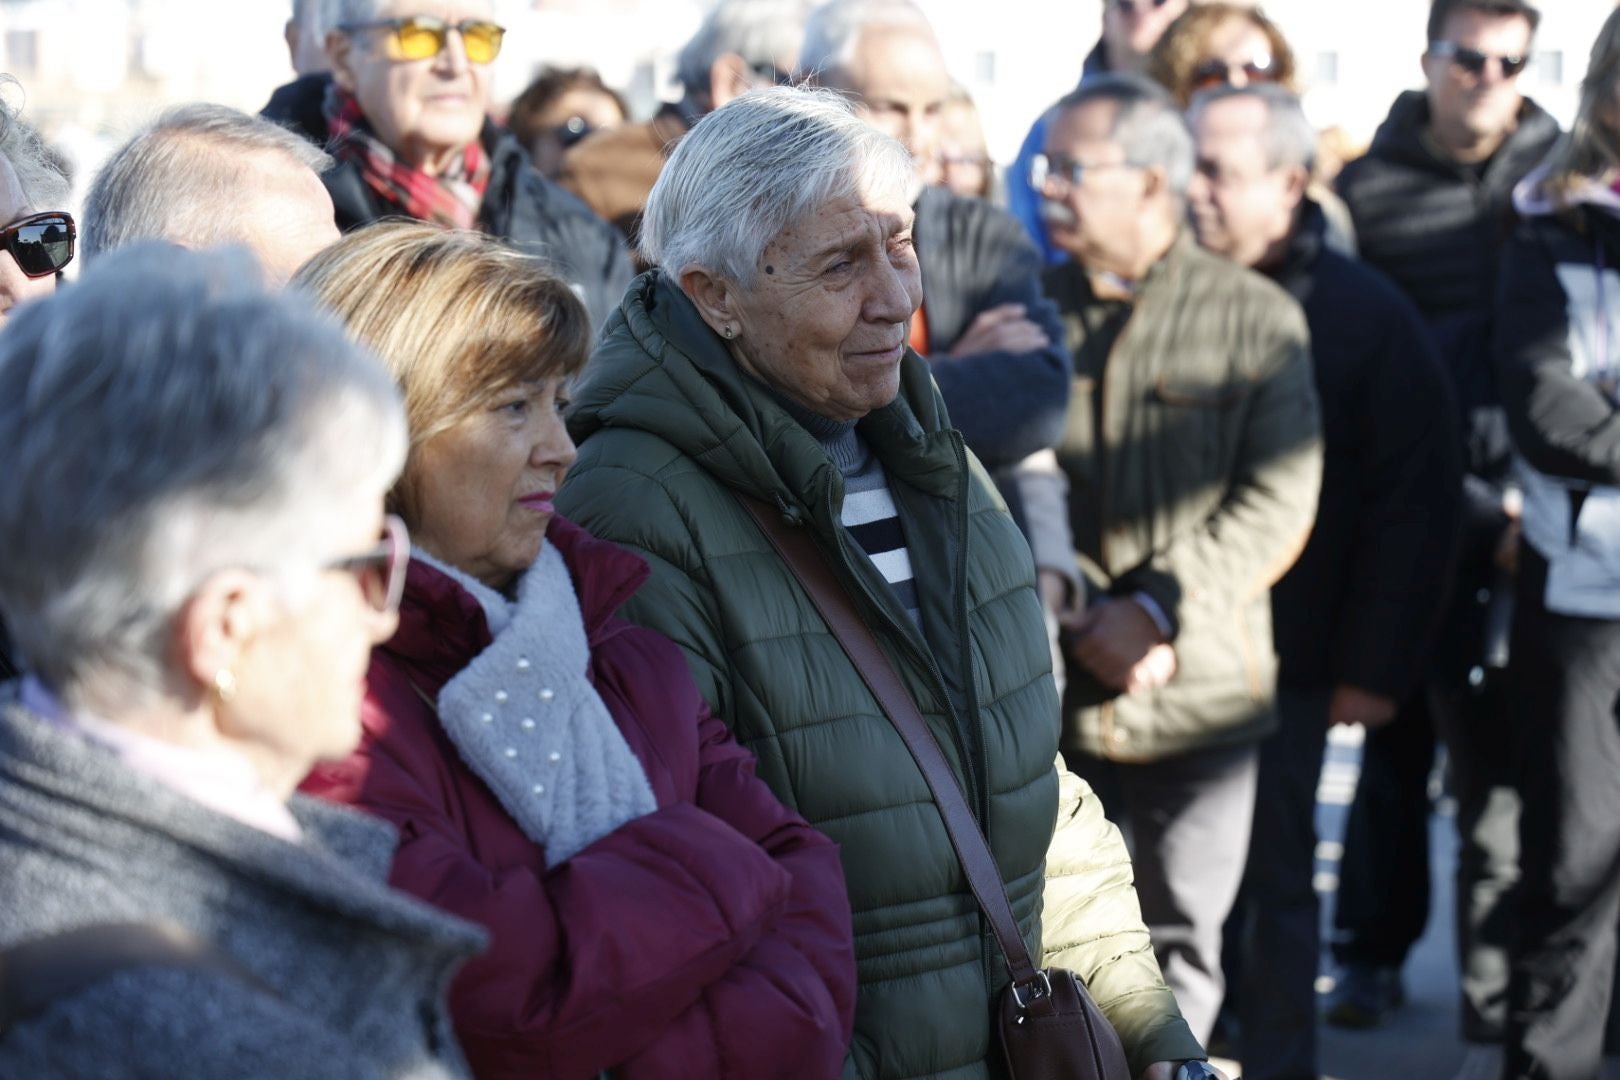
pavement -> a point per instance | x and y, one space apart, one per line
1421 1041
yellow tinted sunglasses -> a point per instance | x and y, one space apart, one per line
422 36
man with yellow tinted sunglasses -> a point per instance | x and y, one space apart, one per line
404 113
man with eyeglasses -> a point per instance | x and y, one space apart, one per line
741 45
404 113
1192 454
1431 206
1355 614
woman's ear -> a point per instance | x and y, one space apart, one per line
216 625
715 299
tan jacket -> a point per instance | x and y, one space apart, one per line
614 170
1193 455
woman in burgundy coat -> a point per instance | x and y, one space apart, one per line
553 770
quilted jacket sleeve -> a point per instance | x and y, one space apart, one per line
594 959
792 997
1092 925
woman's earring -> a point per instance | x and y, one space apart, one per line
225 684
730 333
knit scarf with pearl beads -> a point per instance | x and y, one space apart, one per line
526 719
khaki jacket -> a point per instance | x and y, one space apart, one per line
1193 455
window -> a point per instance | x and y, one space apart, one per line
22 51
1327 69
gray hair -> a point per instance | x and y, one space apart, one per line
43 184
1290 140
834 32
1147 125
336 13
167 418
751 168
180 178
762 32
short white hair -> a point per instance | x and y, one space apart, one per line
43 184
750 169
765 33
336 14
1289 138
166 418
181 178
835 29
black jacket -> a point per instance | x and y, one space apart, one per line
1552 342
1362 602
975 257
1437 229
520 206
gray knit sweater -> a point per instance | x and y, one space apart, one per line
357 971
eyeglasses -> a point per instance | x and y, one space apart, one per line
1473 61
1217 72
422 36
380 571
41 243
1065 174
1130 7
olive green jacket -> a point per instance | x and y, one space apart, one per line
1193 455
669 430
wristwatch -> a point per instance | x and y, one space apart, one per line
1194 1070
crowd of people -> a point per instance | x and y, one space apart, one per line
408 677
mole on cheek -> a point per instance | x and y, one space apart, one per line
769 269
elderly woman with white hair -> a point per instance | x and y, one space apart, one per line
197 590
36 236
757 388
405 114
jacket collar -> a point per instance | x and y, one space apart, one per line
1402 137
442 625
1305 247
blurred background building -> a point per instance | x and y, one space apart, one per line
93 69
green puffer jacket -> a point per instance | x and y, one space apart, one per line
669 427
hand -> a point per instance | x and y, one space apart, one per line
1002 328
1113 639
1157 668
1506 557
1353 705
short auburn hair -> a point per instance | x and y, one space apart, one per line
458 317
1185 44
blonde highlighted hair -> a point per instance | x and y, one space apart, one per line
459 318
1591 148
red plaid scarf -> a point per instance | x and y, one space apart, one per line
452 198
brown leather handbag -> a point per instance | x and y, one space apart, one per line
1050 1028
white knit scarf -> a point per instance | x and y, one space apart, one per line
528 722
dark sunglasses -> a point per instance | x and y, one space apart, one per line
1216 72
1131 7
572 130
1473 61
40 243
422 36
380 571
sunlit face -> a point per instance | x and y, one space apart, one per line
285 215
16 287
827 318
300 677
481 492
1133 27
1484 105
1239 51
1096 220
899 76
423 110
1240 205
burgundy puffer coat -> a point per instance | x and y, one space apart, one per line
710 938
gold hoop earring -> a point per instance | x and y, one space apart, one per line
225 684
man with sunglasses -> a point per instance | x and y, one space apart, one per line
405 114
1431 206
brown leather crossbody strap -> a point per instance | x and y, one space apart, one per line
35 975
798 549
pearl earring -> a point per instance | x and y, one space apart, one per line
225 684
